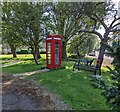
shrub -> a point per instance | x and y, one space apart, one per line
75 56
42 52
23 52
111 88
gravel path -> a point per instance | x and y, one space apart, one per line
30 73
22 94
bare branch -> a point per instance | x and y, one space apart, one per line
73 32
101 21
94 32
115 25
114 21
73 24
115 30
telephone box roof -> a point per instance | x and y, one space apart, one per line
54 35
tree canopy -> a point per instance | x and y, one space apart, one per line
10 32
28 22
83 43
23 21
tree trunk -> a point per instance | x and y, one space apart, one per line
38 53
101 55
64 54
78 54
13 50
35 56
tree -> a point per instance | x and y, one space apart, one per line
28 24
99 17
65 19
82 44
9 28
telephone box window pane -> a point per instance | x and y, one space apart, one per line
49 53
57 53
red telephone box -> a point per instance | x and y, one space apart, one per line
53 51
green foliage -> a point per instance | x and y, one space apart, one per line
102 9
73 56
83 44
22 24
115 43
111 87
9 29
67 19
23 52
29 17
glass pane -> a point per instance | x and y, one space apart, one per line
57 53
49 52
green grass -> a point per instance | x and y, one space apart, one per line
74 88
22 67
27 65
3 62
19 57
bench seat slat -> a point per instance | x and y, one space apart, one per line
83 64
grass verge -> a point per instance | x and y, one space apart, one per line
74 88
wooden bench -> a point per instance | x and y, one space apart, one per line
86 64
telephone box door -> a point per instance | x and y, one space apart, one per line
58 54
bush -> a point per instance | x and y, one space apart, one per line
23 52
74 56
43 52
110 86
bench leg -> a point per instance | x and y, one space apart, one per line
95 72
73 69
99 71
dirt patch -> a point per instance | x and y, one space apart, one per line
23 94
107 62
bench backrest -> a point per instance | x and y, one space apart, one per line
85 61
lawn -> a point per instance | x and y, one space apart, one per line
22 67
27 64
73 88
19 57
3 62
